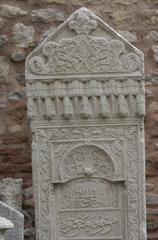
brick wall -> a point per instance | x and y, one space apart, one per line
22 26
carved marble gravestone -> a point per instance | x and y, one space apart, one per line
85 94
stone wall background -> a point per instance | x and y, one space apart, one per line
22 27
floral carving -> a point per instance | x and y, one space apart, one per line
98 55
87 161
44 187
82 22
84 53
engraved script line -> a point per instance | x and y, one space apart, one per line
91 224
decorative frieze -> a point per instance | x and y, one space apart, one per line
81 107
85 98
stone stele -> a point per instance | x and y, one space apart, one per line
85 89
17 218
11 192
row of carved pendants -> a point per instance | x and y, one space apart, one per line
85 107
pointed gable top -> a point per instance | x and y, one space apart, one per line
84 45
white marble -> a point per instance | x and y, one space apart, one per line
85 90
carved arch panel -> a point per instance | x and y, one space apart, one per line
90 197
87 161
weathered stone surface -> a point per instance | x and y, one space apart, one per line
20 78
148 93
153 2
152 211
16 96
9 11
47 33
126 2
153 107
47 15
152 79
18 55
11 192
29 232
155 50
75 2
150 170
149 187
88 168
15 128
132 38
149 12
17 218
152 36
4 70
28 193
120 16
23 35
3 40
152 199
152 226
156 145
150 17
87 2
4 225
1 22
57 1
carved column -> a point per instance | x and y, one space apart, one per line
85 91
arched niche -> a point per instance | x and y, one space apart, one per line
88 179
86 161
89 189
